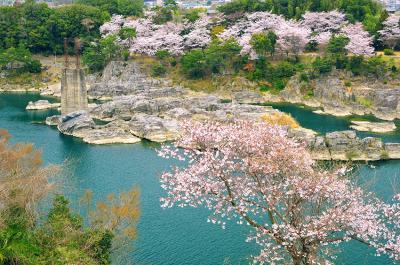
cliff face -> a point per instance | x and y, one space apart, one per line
331 94
120 79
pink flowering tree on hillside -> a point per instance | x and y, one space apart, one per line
360 42
251 173
390 34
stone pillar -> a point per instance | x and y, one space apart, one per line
73 85
73 91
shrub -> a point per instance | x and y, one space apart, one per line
284 70
194 64
337 45
356 65
376 66
388 52
312 46
162 54
280 84
364 101
33 66
158 70
280 118
347 83
304 77
322 65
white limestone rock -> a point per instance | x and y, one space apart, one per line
42 105
377 127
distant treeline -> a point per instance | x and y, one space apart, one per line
42 29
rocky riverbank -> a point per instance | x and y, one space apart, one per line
333 95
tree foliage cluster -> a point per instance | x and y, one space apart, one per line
18 60
62 237
122 7
367 11
42 29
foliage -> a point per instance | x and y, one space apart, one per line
322 65
162 15
42 29
388 52
337 45
193 14
356 65
122 7
158 70
253 174
98 55
364 101
264 43
162 54
194 64
62 237
376 66
281 119
127 33
19 59
355 10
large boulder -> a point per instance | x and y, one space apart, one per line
42 105
116 132
154 128
76 123
377 127
53 120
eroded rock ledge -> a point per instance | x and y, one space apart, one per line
143 108
331 94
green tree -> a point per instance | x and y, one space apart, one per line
71 21
122 7
337 45
222 56
264 43
35 24
194 64
98 55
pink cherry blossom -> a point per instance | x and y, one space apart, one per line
252 173
360 41
390 34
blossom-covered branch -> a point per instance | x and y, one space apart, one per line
252 173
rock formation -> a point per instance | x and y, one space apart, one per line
42 105
331 94
142 108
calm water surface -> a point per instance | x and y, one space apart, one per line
174 236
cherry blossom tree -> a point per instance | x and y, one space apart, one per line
112 26
390 34
292 38
323 24
251 173
360 42
320 22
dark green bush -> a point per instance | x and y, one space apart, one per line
33 66
322 65
388 52
194 64
283 70
162 54
158 70
356 65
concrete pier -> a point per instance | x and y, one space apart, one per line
73 91
73 85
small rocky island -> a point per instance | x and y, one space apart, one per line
134 106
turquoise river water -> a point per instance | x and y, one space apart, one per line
173 236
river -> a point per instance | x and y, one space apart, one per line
173 236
